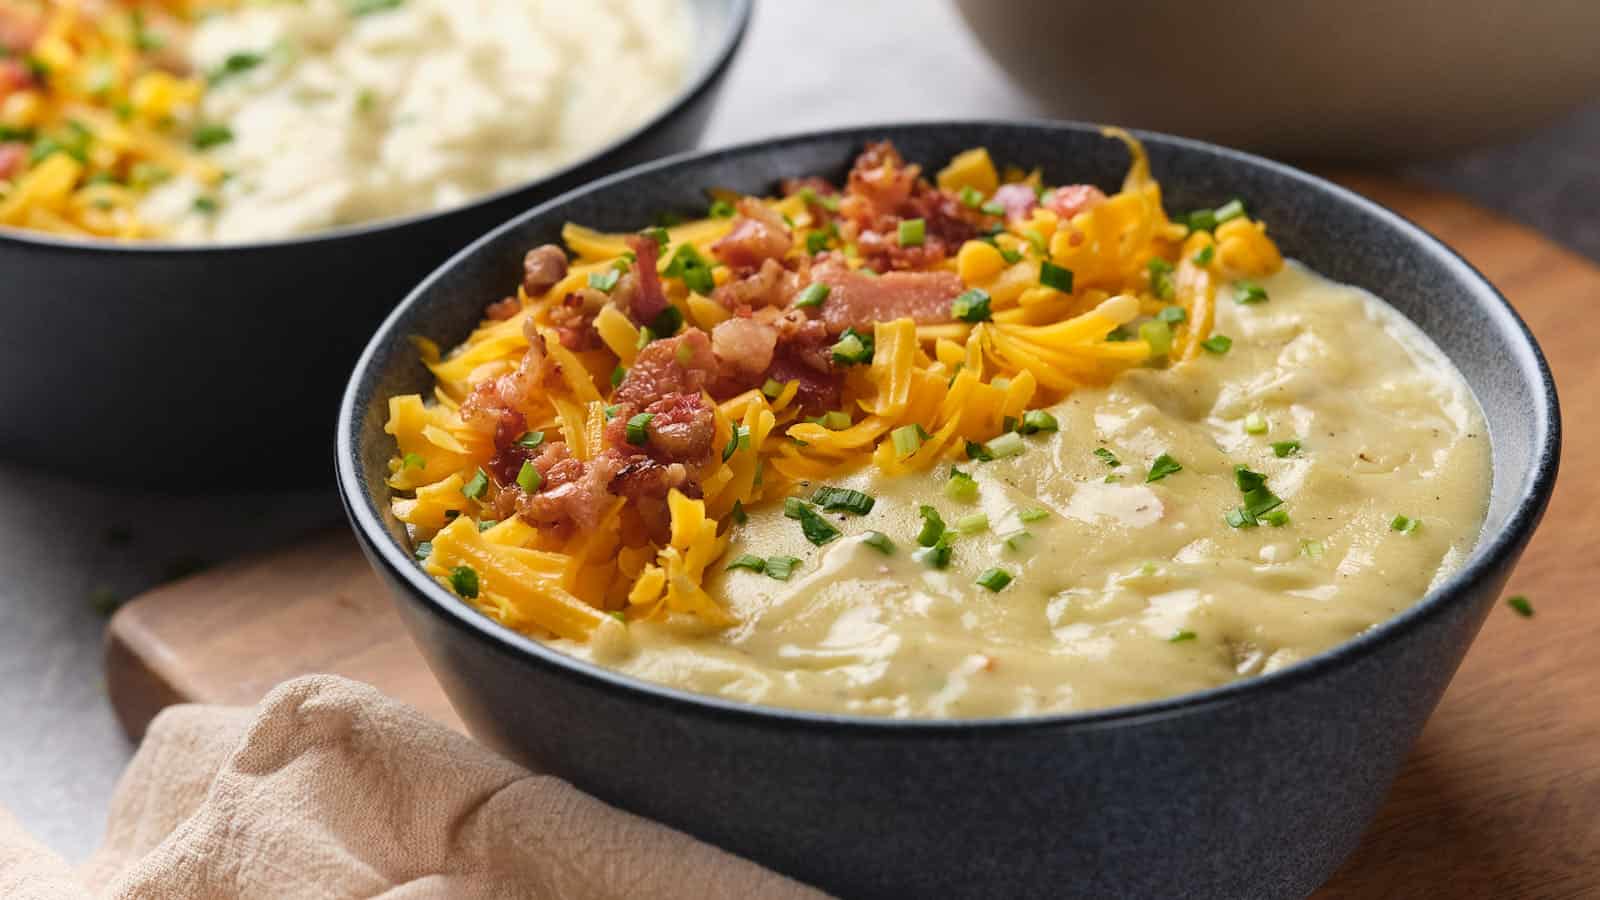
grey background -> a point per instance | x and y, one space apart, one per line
66 549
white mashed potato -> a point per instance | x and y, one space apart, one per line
344 111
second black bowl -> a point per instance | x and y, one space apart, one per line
1256 789
187 367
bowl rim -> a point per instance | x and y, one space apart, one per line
739 14
1492 550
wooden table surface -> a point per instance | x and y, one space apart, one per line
1500 799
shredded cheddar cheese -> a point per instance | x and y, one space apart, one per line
1053 296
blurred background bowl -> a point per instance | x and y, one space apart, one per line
190 367
1353 81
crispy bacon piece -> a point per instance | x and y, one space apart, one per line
681 430
744 344
647 299
857 301
573 493
514 390
503 309
822 187
574 316
1069 200
677 365
770 285
543 268
758 235
13 159
509 455
1020 200
884 191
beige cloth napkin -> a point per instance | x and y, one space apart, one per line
331 790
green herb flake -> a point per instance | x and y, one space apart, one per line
464 581
1182 637
933 526
530 439
1405 524
1033 514
1161 283
423 550
1054 276
528 477
835 499
474 489
1284 449
994 579
687 264
1248 292
1107 457
971 306
961 487
1205 254
1158 335
813 295
976 523
414 461
1037 420
748 561
878 541
720 209
1217 344
853 348
638 429
911 232
1173 315
1163 466
781 567
605 281
1520 605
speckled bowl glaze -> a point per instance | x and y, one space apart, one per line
187 367
1256 789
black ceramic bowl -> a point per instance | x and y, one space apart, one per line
1256 789
202 365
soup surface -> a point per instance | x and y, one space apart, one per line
1128 590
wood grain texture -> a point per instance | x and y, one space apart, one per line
1500 799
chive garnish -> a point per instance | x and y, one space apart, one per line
531 439
781 567
1181 636
1218 344
912 232
638 429
1033 514
207 136
1248 292
961 487
1161 278
932 526
1107 457
817 530
475 488
423 550
907 440
938 555
1521 605
464 581
748 561
1008 444
414 461
1233 209
1173 315
1054 276
994 579
1282 449
605 281
853 348
528 478
973 524
689 265
1037 420
1255 423
1205 254
1405 524
971 306
1158 335
720 209
878 541
813 295
835 499
979 452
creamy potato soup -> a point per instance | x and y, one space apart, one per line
1128 589
969 446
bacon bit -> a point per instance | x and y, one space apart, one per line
822 187
879 183
857 301
501 310
884 191
574 318
770 285
542 269
572 494
758 235
516 390
13 159
1020 200
647 299
1069 200
744 344
679 365
509 455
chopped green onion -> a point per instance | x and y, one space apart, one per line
813 295
658 234
781 567
1181 636
1282 449
978 452
1173 315
748 561
973 524
739 515
816 242
1161 278
1163 466
464 581
1218 344
833 420
1113 478
1311 549
772 388
720 209
1239 517
612 410
1107 457
817 530
932 526
206 205
414 461
617 375
912 232
475 488
667 325
689 265
1019 541
1037 420
993 209
530 439
853 348
207 136
1229 211
1118 334
835 499
1054 276
646 337
1258 499
1405 524
1201 220
605 281
907 440
971 306
238 63
423 550
1277 518
1008 444
486 524
970 197
1035 238
740 437
1158 335
878 541
810 196
638 429
961 487
994 579
1033 514
937 555
1248 292
360 8
1204 256
1521 605
528 478
1255 423
1010 256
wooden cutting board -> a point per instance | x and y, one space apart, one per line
1500 799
